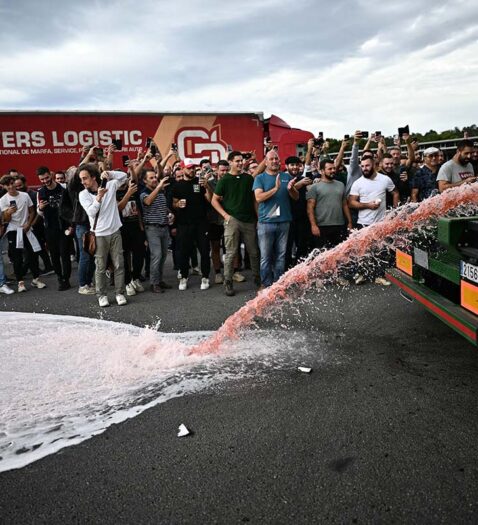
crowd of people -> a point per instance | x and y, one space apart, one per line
120 224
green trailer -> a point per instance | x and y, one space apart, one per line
445 281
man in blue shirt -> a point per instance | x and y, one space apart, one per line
273 190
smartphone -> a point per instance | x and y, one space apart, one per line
378 133
174 146
148 142
125 160
103 183
246 155
318 142
13 204
365 134
99 153
346 137
153 149
118 144
320 135
404 131
229 148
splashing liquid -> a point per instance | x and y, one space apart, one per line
65 379
395 231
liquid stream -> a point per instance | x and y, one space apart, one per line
65 379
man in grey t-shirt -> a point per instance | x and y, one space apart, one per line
459 169
327 208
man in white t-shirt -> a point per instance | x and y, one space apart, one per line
368 196
18 211
99 200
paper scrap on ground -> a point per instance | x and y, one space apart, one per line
183 431
305 369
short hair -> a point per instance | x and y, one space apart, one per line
7 179
20 177
387 156
204 161
42 170
234 154
368 152
465 144
324 163
223 163
59 173
12 169
394 148
292 160
92 170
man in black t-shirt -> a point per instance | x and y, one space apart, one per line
190 202
57 232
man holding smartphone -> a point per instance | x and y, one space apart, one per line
18 211
99 201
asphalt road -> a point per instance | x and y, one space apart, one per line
383 430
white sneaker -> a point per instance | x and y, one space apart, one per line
86 290
238 277
72 258
382 281
38 284
6 289
21 287
204 283
219 279
103 300
196 271
121 299
183 283
130 289
137 285
179 275
359 279
342 282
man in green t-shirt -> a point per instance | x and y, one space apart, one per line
234 201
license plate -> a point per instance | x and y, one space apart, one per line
469 271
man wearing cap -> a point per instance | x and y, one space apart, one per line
190 202
424 183
459 169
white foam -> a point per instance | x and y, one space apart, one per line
64 379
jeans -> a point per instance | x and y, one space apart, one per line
272 245
109 245
86 266
232 233
158 241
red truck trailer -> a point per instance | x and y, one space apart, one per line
29 139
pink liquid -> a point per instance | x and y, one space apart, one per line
325 265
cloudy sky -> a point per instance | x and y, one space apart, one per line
335 65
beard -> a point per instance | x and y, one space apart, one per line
367 174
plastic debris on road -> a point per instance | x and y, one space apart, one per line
305 369
183 431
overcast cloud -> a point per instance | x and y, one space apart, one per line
335 66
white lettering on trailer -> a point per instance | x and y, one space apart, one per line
8 139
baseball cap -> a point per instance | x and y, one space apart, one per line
431 151
187 163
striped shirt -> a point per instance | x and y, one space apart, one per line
157 211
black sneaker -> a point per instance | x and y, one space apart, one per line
229 288
165 286
64 285
155 288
